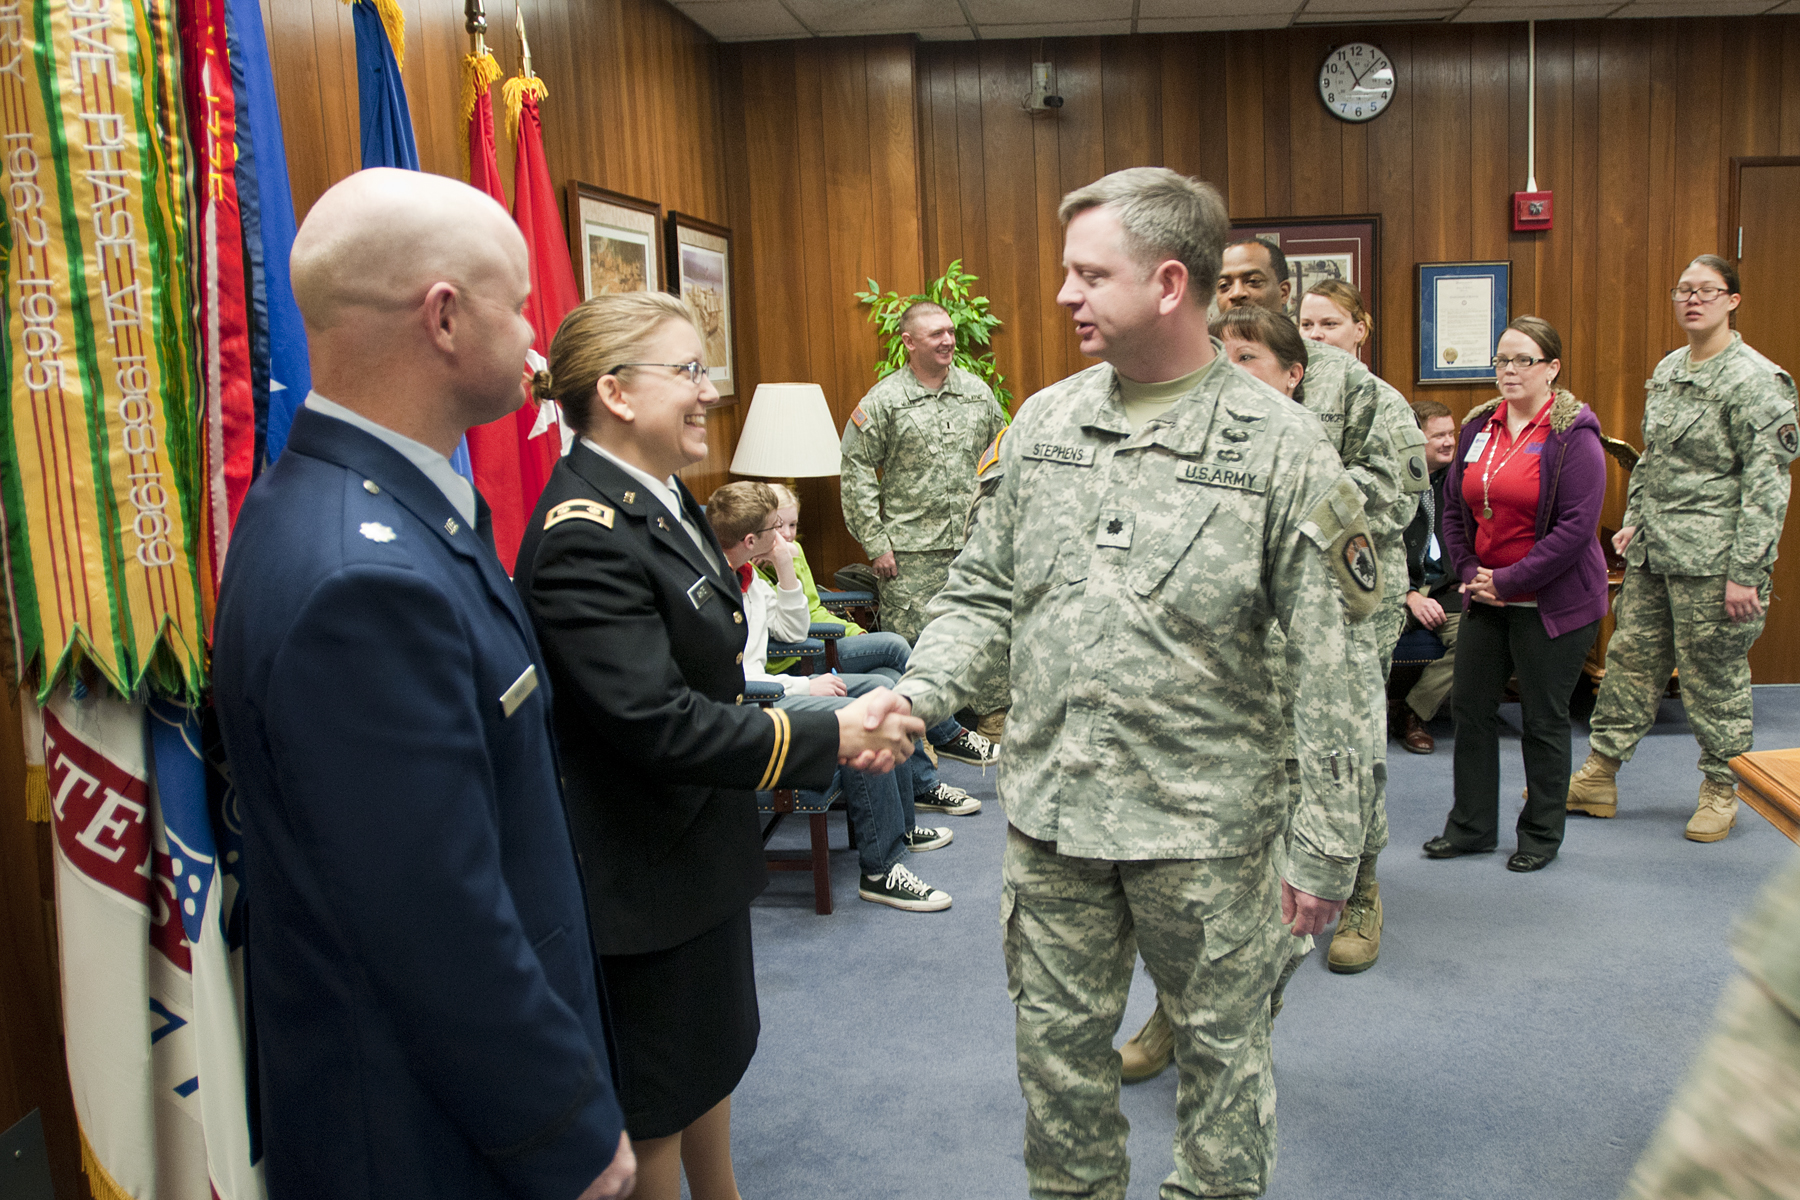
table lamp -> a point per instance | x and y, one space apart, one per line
788 434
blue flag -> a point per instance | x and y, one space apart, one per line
387 132
281 373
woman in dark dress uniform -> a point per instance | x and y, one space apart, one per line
642 628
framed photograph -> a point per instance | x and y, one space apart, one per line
614 241
700 273
1320 248
1462 313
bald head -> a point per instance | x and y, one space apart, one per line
376 242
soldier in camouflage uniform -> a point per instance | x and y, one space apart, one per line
921 428
1703 518
1135 543
1733 1130
1379 443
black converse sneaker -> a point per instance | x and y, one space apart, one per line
946 799
970 747
900 888
922 837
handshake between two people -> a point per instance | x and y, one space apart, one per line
876 731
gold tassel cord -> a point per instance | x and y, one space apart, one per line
513 93
37 794
479 71
394 21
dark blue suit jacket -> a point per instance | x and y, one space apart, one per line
422 983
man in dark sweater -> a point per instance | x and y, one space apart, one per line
1431 601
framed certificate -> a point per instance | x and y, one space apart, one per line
1462 313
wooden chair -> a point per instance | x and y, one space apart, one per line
782 801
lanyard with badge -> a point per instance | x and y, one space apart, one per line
1491 468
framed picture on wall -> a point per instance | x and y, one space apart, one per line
614 241
1462 313
1319 248
700 273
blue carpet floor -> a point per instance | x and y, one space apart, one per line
1519 1038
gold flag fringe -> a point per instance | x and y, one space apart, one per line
37 794
514 96
478 75
394 21
100 1181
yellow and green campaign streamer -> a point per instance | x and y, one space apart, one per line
99 465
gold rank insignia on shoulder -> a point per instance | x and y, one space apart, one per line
450 526
579 510
631 497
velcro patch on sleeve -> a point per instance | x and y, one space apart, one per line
1337 526
579 510
991 456
858 417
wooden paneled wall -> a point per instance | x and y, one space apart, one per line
1637 121
823 161
634 106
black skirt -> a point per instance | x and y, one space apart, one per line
684 1023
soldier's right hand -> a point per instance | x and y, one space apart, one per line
885 567
877 749
1623 538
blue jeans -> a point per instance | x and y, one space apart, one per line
880 806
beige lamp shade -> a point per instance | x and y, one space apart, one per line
787 434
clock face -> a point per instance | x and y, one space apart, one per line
1356 82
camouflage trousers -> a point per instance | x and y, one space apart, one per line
1668 623
1372 655
1208 932
1733 1130
904 599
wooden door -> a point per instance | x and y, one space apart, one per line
1766 240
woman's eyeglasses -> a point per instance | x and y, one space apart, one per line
1523 361
1681 293
694 371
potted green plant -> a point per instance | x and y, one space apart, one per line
969 313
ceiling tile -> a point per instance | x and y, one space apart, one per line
1045 12
1509 10
1692 8
1314 17
1277 20
1788 9
1056 29
1358 7
1158 10
743 20
948 33
874 16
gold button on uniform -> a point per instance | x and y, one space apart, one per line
740 698
737 618
740 657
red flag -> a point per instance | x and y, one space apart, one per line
229 406
553 291
494 447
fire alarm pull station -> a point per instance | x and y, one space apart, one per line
1531 210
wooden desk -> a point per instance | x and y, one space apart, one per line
1769 782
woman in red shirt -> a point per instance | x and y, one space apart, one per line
1521 506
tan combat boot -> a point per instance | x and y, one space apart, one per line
1357 943
992 726
1716 813
1593 790
1149 1049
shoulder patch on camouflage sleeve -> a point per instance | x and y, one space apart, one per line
579 510
858 417
991 456
1337 526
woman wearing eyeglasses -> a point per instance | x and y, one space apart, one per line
642 625
1702 520
1521 505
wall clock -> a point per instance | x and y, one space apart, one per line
1356 82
